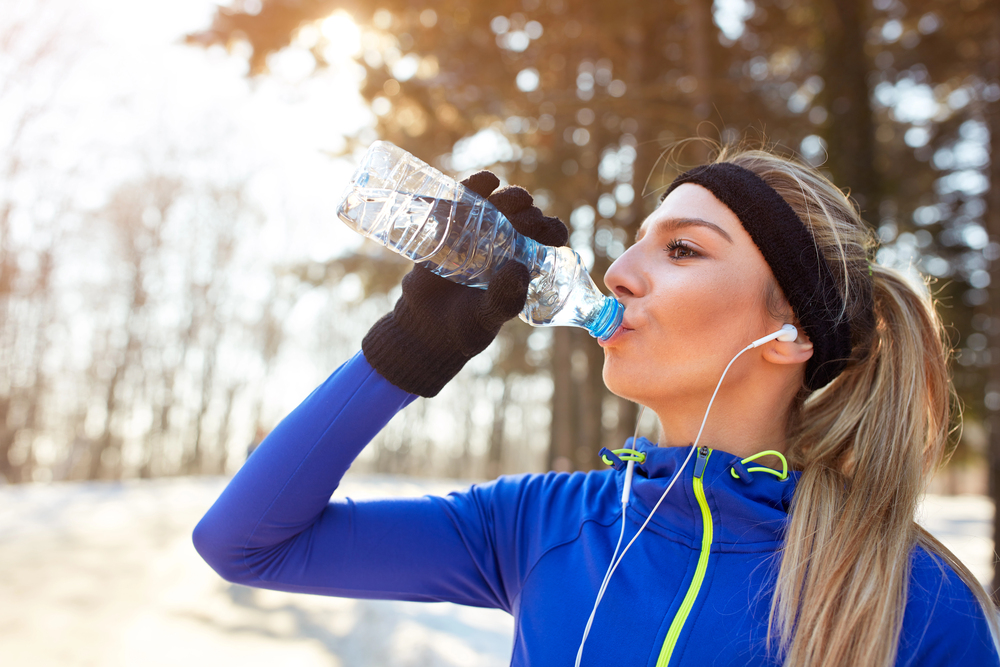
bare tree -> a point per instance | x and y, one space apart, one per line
32 46
137 213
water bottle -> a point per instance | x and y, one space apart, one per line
415 210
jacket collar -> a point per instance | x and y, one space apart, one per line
746 516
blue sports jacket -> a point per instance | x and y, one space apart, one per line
695 588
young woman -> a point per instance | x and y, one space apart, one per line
812 559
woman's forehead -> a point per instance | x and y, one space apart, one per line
694 203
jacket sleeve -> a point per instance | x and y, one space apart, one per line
274 525
943 623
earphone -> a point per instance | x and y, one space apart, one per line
787 333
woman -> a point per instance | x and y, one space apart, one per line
739 563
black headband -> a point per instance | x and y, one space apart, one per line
789 249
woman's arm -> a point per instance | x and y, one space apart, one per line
275 527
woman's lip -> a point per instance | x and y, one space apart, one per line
615 337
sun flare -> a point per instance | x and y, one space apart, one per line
342 35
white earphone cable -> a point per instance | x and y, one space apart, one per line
614 563
614 557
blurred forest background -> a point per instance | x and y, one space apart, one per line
154 330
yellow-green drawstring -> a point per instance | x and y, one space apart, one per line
740 471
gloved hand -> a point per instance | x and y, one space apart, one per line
437 325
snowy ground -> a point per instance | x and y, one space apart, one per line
105 575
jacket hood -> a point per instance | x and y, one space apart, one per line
746 517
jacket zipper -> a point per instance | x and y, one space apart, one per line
699 574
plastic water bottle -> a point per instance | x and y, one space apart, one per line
415 210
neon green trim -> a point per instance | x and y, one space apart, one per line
783 475
674 633
625 455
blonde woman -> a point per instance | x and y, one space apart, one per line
775 528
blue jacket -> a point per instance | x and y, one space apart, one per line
538 546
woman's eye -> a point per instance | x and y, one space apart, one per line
680 250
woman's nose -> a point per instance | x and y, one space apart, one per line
622 278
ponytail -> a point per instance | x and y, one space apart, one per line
867 444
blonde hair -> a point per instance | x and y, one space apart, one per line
867 445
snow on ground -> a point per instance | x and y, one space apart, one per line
104 574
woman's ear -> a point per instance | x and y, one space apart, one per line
797 351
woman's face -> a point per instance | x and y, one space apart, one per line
693 286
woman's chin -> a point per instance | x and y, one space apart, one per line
619 381
639 384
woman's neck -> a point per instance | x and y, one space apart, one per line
743 420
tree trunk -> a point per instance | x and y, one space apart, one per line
701 39
196 464
850 133
561 438
494 454
107 441
222 460
8 270
34 396
104 441
992 113
7 470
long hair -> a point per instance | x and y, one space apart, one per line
867 444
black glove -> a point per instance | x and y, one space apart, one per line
438 325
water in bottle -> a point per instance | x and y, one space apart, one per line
418 212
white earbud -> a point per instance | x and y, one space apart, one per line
787 333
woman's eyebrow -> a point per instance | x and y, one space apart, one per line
673 224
